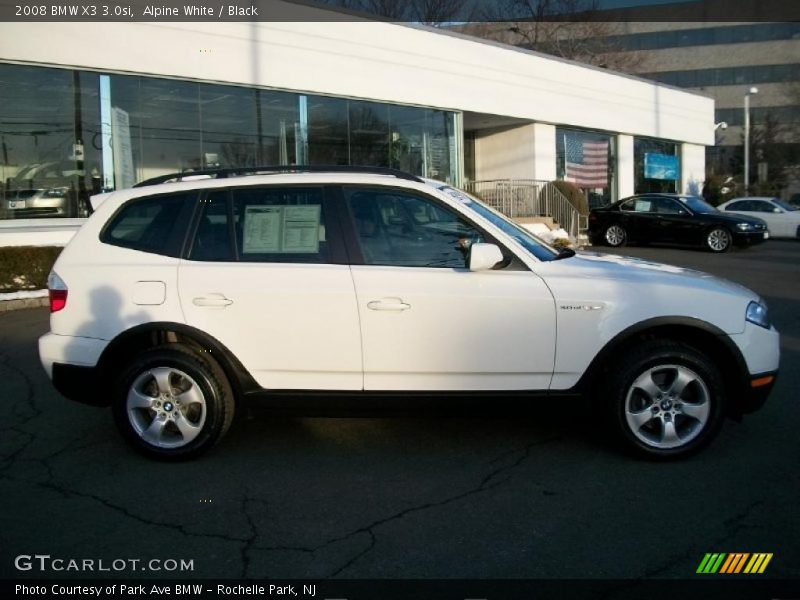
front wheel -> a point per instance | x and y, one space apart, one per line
719 239
615 235
667 400
171 404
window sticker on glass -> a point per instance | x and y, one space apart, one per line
262 229
643 206
301 229
281 229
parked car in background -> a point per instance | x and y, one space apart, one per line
50 189
673 219
782 218
178 302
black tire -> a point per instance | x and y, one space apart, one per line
718 240
641 421
206 414
615 235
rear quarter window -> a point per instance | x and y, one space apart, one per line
155 224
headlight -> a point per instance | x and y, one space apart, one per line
757 313
56 192
745 226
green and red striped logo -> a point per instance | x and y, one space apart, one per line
735 562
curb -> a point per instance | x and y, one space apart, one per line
9 305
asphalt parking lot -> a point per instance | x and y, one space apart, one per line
407 497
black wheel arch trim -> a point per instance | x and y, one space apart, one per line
739 384
239 377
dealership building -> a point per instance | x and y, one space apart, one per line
87 107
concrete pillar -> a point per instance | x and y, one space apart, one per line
693 169
544 152
519 152
625 164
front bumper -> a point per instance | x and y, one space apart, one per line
748 238
756 395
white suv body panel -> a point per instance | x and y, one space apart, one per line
450 329
293 326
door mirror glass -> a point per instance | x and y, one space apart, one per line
776 210
483 257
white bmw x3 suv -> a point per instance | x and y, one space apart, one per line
178 301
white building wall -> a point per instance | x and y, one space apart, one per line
693 168
625 164
506 153
377 61
544 151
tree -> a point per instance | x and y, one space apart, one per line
428 12
571 29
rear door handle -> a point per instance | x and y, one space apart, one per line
212 300
393 304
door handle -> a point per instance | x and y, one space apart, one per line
212 300
394 304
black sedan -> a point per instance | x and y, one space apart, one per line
673 219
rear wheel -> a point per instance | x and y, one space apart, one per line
615 235
171 404
667 400
719 239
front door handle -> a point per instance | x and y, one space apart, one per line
394 304
212 300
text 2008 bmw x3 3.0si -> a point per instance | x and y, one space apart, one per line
178 301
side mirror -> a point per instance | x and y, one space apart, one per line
483 257
777 210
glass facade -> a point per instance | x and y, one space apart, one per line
706 36
66 134
587 159
656 166
728 75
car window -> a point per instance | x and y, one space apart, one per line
643 205
213 240
398 228
762 206
785 205
667 206
519 234
150 224
280 224
742 205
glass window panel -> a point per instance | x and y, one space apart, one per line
369 133
229 126
643 185
278 124
328 141
587 159
148 224
212 242
406 230
49 142
278 224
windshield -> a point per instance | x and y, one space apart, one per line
522 236
784 205
696 205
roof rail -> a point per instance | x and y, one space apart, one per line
225 172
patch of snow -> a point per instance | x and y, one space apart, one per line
23 295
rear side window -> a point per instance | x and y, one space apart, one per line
155 224
281 224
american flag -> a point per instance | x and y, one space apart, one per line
587 163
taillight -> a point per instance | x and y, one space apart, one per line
58 292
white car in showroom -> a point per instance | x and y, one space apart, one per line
183 298
782 218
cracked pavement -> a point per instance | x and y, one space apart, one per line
488 496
